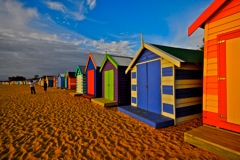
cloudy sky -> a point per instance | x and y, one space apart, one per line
46 37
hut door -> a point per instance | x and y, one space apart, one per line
229 77
108 84
90 82
149 97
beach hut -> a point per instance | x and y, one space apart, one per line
49 80
115 83
81 79
93 76
61 81
166 85
71 80
221 87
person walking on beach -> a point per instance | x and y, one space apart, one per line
45 86
32 84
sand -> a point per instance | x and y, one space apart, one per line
55 125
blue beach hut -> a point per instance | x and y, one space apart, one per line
166 85
60 81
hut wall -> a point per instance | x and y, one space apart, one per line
168 91
124 85
134 86
188 92
225 20
71 83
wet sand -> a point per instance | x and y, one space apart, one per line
55 125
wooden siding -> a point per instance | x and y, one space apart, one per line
124 85
188 92
109 66
226 19
71 83
81 84
133 89
147 56
168 92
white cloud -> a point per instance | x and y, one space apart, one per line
91 3
13 15
56 6
44 47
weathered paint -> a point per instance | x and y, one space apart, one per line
221 34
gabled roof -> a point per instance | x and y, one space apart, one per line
116 60
71 74
80 70
172 54
61 75
199 22
96 58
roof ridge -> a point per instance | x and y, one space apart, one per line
175 47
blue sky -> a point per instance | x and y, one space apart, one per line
50 37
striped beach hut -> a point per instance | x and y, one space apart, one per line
115 83
166 85
81 79
71 80
221 87
61 81
93 76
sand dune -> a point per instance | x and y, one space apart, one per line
56 125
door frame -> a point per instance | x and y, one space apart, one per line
222 85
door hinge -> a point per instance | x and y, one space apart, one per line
222 116
221 78
222 41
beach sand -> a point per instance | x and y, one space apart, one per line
55 125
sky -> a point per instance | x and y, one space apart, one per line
48 37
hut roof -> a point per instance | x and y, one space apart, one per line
71 74
116 60
199 22
172 54
80 70
96 58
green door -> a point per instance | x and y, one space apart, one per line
109 84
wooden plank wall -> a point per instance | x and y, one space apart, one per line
134 86
224 20
168 91
188 92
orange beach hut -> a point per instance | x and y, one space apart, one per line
221 87
221 22
71 78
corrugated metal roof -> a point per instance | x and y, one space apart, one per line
98 58
61 75
121 60
187 55
82 69
71 74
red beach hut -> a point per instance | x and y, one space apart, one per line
71 78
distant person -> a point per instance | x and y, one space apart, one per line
45 86
32 84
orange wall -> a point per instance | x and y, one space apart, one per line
71 83
226 19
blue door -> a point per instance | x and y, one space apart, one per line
148 81
154 90
142 86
